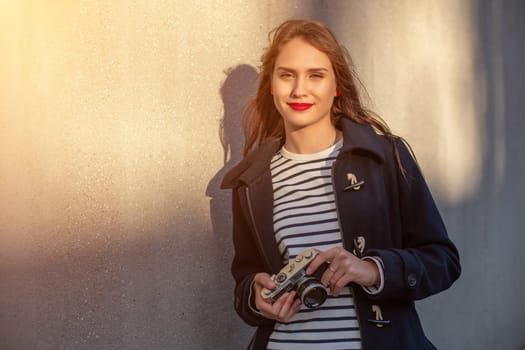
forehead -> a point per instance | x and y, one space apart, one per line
298 54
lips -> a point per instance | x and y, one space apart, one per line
300 106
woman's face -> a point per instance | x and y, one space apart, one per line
304 86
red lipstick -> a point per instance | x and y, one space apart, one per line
300 106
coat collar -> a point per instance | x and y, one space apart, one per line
361 138
357 138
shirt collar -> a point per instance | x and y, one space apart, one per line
357 138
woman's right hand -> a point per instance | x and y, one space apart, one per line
280 310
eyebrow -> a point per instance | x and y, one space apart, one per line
308 70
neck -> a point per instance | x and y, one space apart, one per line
311 140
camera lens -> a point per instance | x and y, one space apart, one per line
312 292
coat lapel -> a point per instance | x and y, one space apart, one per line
261 201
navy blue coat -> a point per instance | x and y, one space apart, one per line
395 214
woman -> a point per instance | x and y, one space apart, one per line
322 172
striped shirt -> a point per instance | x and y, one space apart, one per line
305 215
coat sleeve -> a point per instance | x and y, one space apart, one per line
246 263
428 262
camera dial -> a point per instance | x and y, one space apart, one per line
280 278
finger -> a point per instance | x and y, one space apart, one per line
343 274
286 306
264 280
265 308
330 271
271 310
278 305
296 306
338 285
325 278
336 276
323 256
342 263
263 305
291 307
314 265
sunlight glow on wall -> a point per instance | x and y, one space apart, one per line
110 116
421 70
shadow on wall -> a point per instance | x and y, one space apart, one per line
239 86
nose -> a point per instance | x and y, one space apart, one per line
299 88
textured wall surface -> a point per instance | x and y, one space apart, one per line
118 120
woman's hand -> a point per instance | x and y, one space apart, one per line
283 308
344 267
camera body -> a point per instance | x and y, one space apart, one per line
293 277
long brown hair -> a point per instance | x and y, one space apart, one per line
261 119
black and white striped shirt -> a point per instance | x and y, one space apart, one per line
305 215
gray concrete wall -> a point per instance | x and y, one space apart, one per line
118 120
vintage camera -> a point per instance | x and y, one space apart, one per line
309 288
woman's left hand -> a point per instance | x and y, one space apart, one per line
344 267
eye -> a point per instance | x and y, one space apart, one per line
317 76
286 75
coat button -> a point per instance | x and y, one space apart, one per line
412 281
